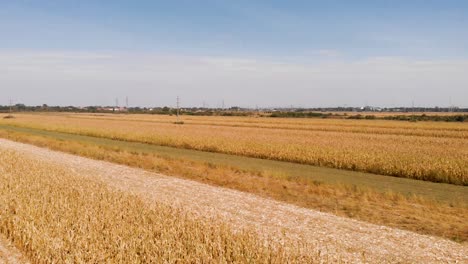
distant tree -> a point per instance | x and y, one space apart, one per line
20 107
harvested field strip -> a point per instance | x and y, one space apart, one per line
445 218
436 191
414 157
455 132
275 122
335 237
55 215
280 122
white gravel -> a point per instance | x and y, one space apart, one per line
337 238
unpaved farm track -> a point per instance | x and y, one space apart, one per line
9 254
337 237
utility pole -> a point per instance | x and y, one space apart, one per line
126 102
11 106
178 105
450 104
223 104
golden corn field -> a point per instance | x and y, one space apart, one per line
94 221
244 132
422 214
56 216
430 151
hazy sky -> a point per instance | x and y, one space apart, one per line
245 52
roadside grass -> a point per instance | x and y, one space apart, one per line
56 216
438 209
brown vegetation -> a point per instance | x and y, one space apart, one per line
411 213
56 216
431 151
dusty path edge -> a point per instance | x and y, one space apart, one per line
9 253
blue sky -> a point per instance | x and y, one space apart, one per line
295 34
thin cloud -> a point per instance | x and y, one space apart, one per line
96 78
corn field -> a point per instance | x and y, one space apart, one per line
56 216
427 151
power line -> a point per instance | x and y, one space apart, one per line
11 106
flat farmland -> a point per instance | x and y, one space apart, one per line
243 170
429 151
106 212
95 223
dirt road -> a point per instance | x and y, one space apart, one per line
335 237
